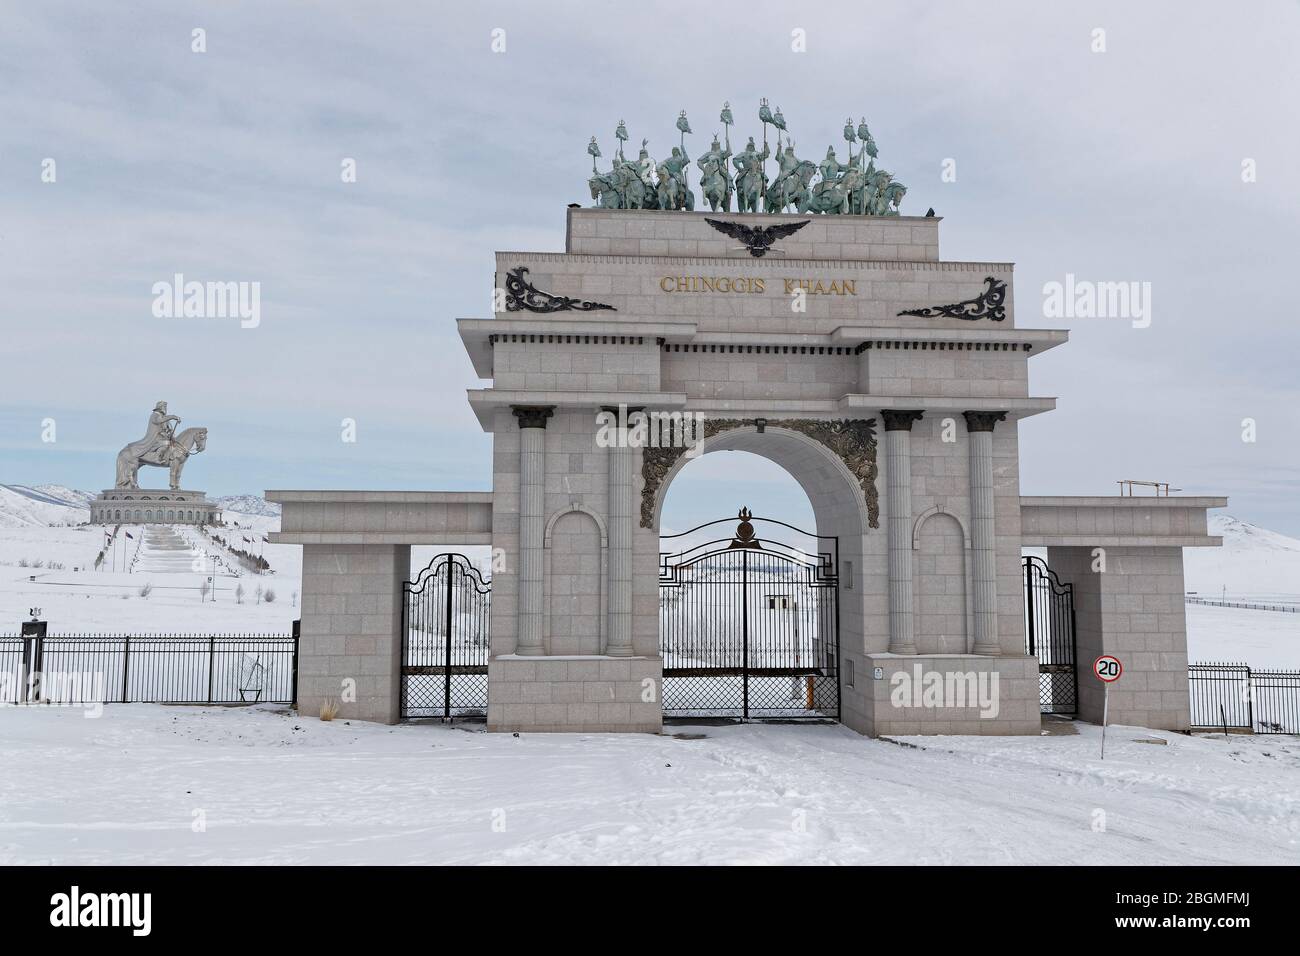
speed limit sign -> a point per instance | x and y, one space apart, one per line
1108 668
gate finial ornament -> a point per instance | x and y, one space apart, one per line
745 537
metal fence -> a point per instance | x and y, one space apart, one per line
1239 697
1249 606
148 668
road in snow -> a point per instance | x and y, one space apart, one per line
276 789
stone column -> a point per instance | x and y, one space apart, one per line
984 574
898 506
532 523
618 642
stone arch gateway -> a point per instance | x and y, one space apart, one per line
888 382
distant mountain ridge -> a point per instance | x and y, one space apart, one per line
42 506
53 505
249 505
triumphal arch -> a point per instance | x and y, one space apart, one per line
825 333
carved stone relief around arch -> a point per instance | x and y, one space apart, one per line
853 440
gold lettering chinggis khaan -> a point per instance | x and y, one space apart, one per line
742 284
753 284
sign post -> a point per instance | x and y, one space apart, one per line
1108 670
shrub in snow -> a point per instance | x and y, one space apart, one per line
329 709
146 589
269 596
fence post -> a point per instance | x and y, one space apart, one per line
212 660
1250 698
126 665
33 659
293 690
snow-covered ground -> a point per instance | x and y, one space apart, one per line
1262 639
40 526
157 784
153 784
76 599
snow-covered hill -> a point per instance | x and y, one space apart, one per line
42 506
1253 563
248 505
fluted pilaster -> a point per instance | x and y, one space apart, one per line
984 578
621 525
532 527
898 528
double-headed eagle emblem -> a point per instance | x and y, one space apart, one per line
757 239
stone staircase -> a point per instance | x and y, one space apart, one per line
166 552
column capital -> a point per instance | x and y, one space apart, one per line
899 419
532 416
983 421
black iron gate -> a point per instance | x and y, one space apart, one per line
1049 635
445 640
749 626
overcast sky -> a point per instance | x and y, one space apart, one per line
225 165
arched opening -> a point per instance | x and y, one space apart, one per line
812 635
714 486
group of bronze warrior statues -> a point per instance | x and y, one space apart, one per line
856 187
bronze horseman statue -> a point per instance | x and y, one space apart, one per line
856 187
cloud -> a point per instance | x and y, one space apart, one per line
225 165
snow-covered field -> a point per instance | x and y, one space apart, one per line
152 784
41 524
36 530
1262 639
158 784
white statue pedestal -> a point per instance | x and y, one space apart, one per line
152 506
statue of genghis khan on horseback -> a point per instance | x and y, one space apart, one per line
160 447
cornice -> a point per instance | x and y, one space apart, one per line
919 265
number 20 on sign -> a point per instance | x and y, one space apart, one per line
1108 670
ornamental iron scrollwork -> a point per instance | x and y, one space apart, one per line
990 304
853 440
522 294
